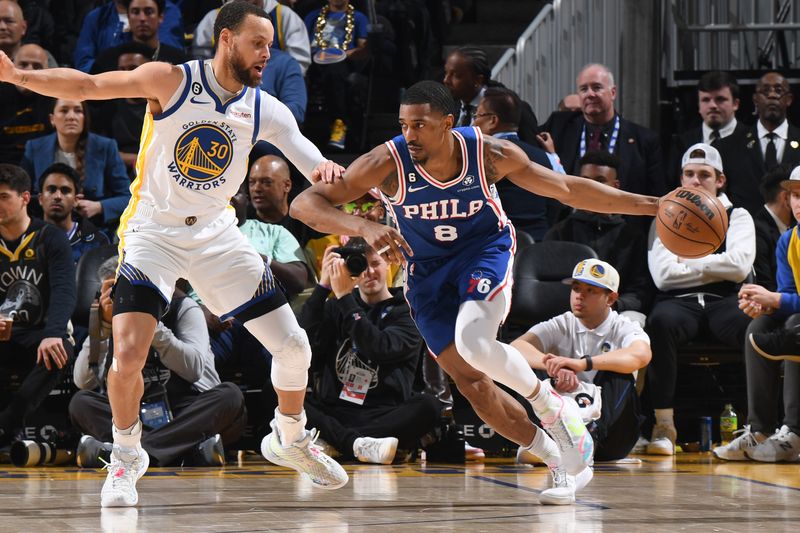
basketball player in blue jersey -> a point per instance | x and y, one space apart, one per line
458 248
203 117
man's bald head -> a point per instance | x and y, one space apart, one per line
31 57
269 183
12 27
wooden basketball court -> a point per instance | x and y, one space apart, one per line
690 493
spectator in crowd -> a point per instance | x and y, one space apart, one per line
599 127
60 189
68 16
37 291
467 74
366 349
269 183
12 27
40 23
775 319
145 17
104 182
695 295
291 35
571 102
283 79
591 347
763 146
187 413
108 25
24 114
338 26
771 221
717 103
122 119
614 239
499 113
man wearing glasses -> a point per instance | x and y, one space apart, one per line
772 141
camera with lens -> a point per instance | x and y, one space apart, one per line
354 258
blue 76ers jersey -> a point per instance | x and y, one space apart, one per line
440 220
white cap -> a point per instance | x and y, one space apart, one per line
710 156
597 273
793 181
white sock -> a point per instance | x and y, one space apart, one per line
129 437
544 402
665 417
291 428
545 448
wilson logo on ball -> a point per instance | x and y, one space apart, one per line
697 200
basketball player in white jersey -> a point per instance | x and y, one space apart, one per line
203 117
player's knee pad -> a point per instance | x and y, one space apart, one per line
291 361
473 346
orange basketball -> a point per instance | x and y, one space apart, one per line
691 223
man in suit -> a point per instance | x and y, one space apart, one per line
717 103
762 147
467 73
597 126
771 221
498 114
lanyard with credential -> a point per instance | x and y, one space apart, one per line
612 143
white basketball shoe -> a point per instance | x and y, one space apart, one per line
126 467
564 486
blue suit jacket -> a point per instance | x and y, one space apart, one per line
283 79
105 179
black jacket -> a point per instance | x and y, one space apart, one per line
37 281
618 242
767 235
638 148
384 334
744 165
681 142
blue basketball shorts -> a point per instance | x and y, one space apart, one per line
436 289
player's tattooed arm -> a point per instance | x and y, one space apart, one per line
389 184
492 153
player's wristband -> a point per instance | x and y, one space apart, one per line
589 364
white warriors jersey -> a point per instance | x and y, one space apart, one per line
193 156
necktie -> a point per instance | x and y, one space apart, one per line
466 116
594 140
771 153
714 136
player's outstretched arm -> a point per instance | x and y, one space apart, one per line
154 81
316 205
502 158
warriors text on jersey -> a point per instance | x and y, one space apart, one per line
440 219
193 156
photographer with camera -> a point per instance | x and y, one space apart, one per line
187 413
365 352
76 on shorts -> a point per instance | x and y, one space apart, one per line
482 285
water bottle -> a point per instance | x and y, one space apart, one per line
728 423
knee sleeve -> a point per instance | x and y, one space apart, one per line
290 362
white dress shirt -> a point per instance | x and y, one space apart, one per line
723 131
782 133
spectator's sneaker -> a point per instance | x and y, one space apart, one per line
92 453
736 450
782 446
640 447
338 134
305 457
473 453
662 441
376 451
563 488
126 467
780 345
210 452
566 427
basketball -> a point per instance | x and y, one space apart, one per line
691 223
